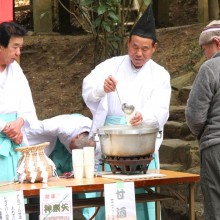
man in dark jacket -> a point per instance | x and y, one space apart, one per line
203 118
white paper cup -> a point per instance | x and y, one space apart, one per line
89 171
89 156
77 157
78 171
77 160
89 161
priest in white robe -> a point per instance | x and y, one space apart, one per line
134 79
16 104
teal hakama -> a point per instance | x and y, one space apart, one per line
8 156
61 158
144 211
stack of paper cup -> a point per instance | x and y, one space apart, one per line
89 161
78 168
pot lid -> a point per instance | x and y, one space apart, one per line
126 129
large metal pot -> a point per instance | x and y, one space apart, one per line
127 141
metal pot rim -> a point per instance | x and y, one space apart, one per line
126 129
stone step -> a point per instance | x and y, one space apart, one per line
184 94
181 86
180 130
173 167
177 151
181 80
172 129
177 113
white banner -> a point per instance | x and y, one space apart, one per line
120 201
12 205
56 204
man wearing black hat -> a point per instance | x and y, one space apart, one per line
138 81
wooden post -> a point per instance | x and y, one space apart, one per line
213 10
42 13
161 12
203 11
64 17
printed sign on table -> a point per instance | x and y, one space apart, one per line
120 201
56 204
12 205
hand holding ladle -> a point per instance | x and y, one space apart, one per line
110 85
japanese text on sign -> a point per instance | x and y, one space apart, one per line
56 203
120 201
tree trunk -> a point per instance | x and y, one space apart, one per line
42 16
64 17
203 12
213 9
161 12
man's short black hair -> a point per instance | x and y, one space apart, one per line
8 30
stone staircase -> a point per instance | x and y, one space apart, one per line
179 150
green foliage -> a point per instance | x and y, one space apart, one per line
147 2
107 19
104 18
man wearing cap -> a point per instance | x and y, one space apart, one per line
140 81
203 118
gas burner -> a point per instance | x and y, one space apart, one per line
128 165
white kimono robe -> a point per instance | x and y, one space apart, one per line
15 94
15 99
149 90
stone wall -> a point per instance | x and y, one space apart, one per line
179 150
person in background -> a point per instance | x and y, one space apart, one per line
16 103
140 81
203 118
65 133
